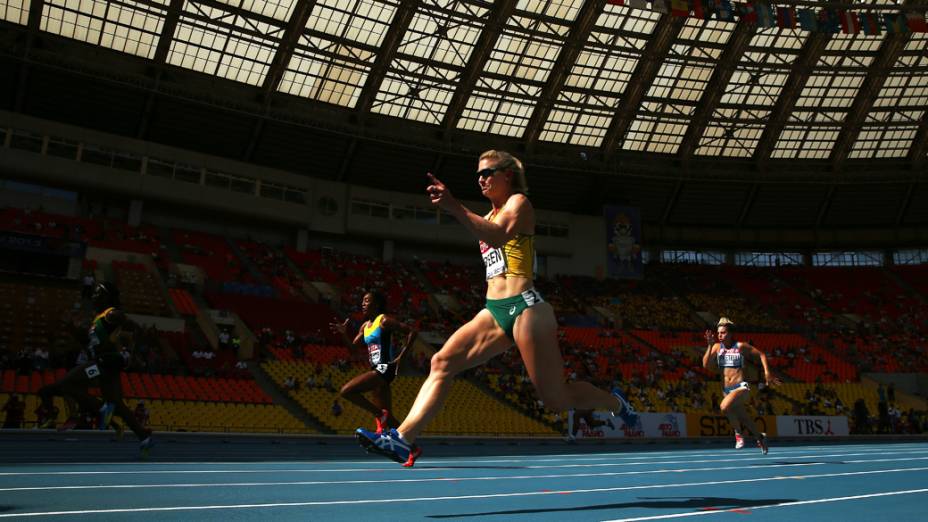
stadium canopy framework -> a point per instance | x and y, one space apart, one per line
606 102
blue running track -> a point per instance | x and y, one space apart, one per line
811 482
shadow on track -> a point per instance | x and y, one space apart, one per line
709 503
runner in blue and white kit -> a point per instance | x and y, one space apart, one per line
729 355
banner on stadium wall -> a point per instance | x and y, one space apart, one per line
706 425
812 426
623 242
602 425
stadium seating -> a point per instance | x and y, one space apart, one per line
139 291
468 411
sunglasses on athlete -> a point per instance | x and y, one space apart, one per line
487 172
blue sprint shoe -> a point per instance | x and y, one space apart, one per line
628 414
387 444
106 415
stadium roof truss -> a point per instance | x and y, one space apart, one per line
586 74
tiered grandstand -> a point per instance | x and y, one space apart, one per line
819 333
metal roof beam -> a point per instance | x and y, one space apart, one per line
672 202
167 31
748 204
919 143
890 49
288 42
826 205
579 33
811 51
712 95
906 201
665 33
391 42
495 22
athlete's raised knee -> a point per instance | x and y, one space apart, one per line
442 365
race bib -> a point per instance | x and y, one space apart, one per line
92 371
382 368
493 259
374 351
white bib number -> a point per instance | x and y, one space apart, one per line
494 260
374 351
92 371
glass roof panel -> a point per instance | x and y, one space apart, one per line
127 26
737 124
430 59
892 122
679 84
584 108
16 11
220 42
279 9
335 54
515 73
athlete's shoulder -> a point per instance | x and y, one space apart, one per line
519 201
113 315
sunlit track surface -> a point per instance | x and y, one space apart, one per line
811 482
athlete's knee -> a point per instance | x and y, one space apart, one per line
345 391
442 365
728 407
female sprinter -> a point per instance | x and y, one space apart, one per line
376 333
515 313
729 355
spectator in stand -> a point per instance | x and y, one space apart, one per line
87 283
290 383
142 414
46 416
40 359
336 408
224 338
861 417
895 416
884 425
15 410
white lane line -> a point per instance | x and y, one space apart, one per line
768 506
434 499
443 479
732 457
392 481
784 451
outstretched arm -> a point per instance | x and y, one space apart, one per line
769 377
342 328
707 359
398 326
511 218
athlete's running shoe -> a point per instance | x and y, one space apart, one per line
762 443
627 413
739 441
387 444
146 445
381 421
415 453
106 415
